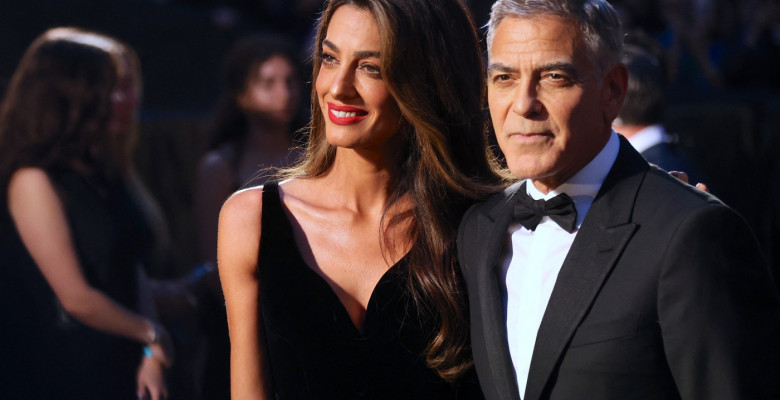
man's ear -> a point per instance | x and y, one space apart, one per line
614 91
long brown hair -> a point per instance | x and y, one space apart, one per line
57 112
432 66
57 107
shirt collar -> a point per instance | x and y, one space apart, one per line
648 137
588 180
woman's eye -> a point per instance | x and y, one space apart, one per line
370 68
327 59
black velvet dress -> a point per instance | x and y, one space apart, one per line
315 350
46 354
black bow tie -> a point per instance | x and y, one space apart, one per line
529 212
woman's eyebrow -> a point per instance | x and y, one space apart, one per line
358 54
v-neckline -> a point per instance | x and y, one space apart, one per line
359 331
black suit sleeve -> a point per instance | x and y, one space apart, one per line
718 310
463 241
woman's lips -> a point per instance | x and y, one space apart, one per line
345 115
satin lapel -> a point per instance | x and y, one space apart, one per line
493 226
604 233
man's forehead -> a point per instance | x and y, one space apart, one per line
530 36
548 26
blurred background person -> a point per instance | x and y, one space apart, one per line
76 230
641 118
252 130
252 127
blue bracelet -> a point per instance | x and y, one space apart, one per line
148 352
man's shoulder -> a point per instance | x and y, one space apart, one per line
663 194
490 207
672 157
495 200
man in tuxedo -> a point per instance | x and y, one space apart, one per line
600 276
641 118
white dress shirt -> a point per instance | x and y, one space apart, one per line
534 258
649 137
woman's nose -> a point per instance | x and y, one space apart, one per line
343 84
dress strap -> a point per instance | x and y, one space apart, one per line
273 212
271 198
276 231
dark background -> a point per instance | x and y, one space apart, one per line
731 127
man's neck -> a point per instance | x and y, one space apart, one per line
592 172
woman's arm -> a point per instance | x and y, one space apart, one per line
150 377
238 245
40 220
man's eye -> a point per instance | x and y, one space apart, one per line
557 79
501 78
555 76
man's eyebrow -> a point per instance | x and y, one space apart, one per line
565 66
499 67
358 54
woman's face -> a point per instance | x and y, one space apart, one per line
358 108
272 91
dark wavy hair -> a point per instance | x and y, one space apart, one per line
229 125
57 106
432 66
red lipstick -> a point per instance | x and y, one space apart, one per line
345 115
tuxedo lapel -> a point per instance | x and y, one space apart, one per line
492 233
603 234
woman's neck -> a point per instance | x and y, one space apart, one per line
363 181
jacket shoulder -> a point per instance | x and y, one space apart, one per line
486 206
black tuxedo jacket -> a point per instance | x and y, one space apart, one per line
663 295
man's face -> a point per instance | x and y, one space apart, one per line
551 109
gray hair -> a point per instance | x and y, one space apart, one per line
597 20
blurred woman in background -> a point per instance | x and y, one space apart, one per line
252 127
76 226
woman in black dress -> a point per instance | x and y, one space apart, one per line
252 128
341 282
74 234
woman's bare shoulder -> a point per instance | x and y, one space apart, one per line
29 176
238 236
302 193
243 208
30 183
